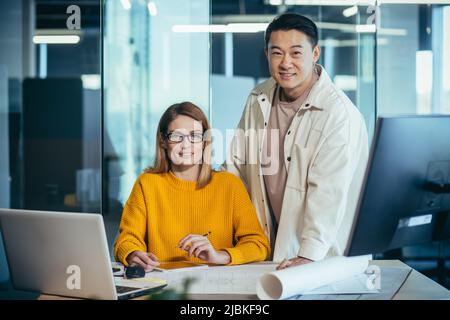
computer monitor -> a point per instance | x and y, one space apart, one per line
405 196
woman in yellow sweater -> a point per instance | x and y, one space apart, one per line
183 210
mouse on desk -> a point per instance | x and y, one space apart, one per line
135 271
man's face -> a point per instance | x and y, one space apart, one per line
291 59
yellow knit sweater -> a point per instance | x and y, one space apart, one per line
162 209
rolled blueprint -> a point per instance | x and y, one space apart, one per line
298 280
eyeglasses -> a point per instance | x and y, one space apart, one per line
194 137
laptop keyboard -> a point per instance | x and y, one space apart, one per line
123 289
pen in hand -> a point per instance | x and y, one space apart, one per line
203 235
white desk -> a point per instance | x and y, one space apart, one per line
416 287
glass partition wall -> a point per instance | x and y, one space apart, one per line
83 83
50 107
148 66
156 53
211 53
413 77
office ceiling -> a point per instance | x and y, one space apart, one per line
51 14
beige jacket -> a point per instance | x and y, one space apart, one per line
326 151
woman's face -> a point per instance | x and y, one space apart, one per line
185 141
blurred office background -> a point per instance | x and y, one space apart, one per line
79 108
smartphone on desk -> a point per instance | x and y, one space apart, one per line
179 266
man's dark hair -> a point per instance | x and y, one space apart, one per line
293 21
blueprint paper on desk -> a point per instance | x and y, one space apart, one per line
243 279
392 279
302 279
354 285
219 279
140 282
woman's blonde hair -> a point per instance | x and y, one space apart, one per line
162 161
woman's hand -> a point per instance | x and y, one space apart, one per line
199 246
146 260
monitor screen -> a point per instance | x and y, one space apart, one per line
405 198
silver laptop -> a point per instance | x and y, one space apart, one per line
62 253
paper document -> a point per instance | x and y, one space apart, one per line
243 279
354 285
240 279
147 282
302 279
175 266
391 278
